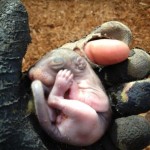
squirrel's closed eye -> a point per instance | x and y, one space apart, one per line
56 63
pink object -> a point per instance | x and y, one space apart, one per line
106 51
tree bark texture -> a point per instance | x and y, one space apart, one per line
16 131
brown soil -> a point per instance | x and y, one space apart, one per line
54 23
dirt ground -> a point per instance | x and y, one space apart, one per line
56 22
53 23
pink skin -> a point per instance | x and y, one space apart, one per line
71 104
76 123
107 51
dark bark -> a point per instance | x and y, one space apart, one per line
16 131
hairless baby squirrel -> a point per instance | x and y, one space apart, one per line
70 101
